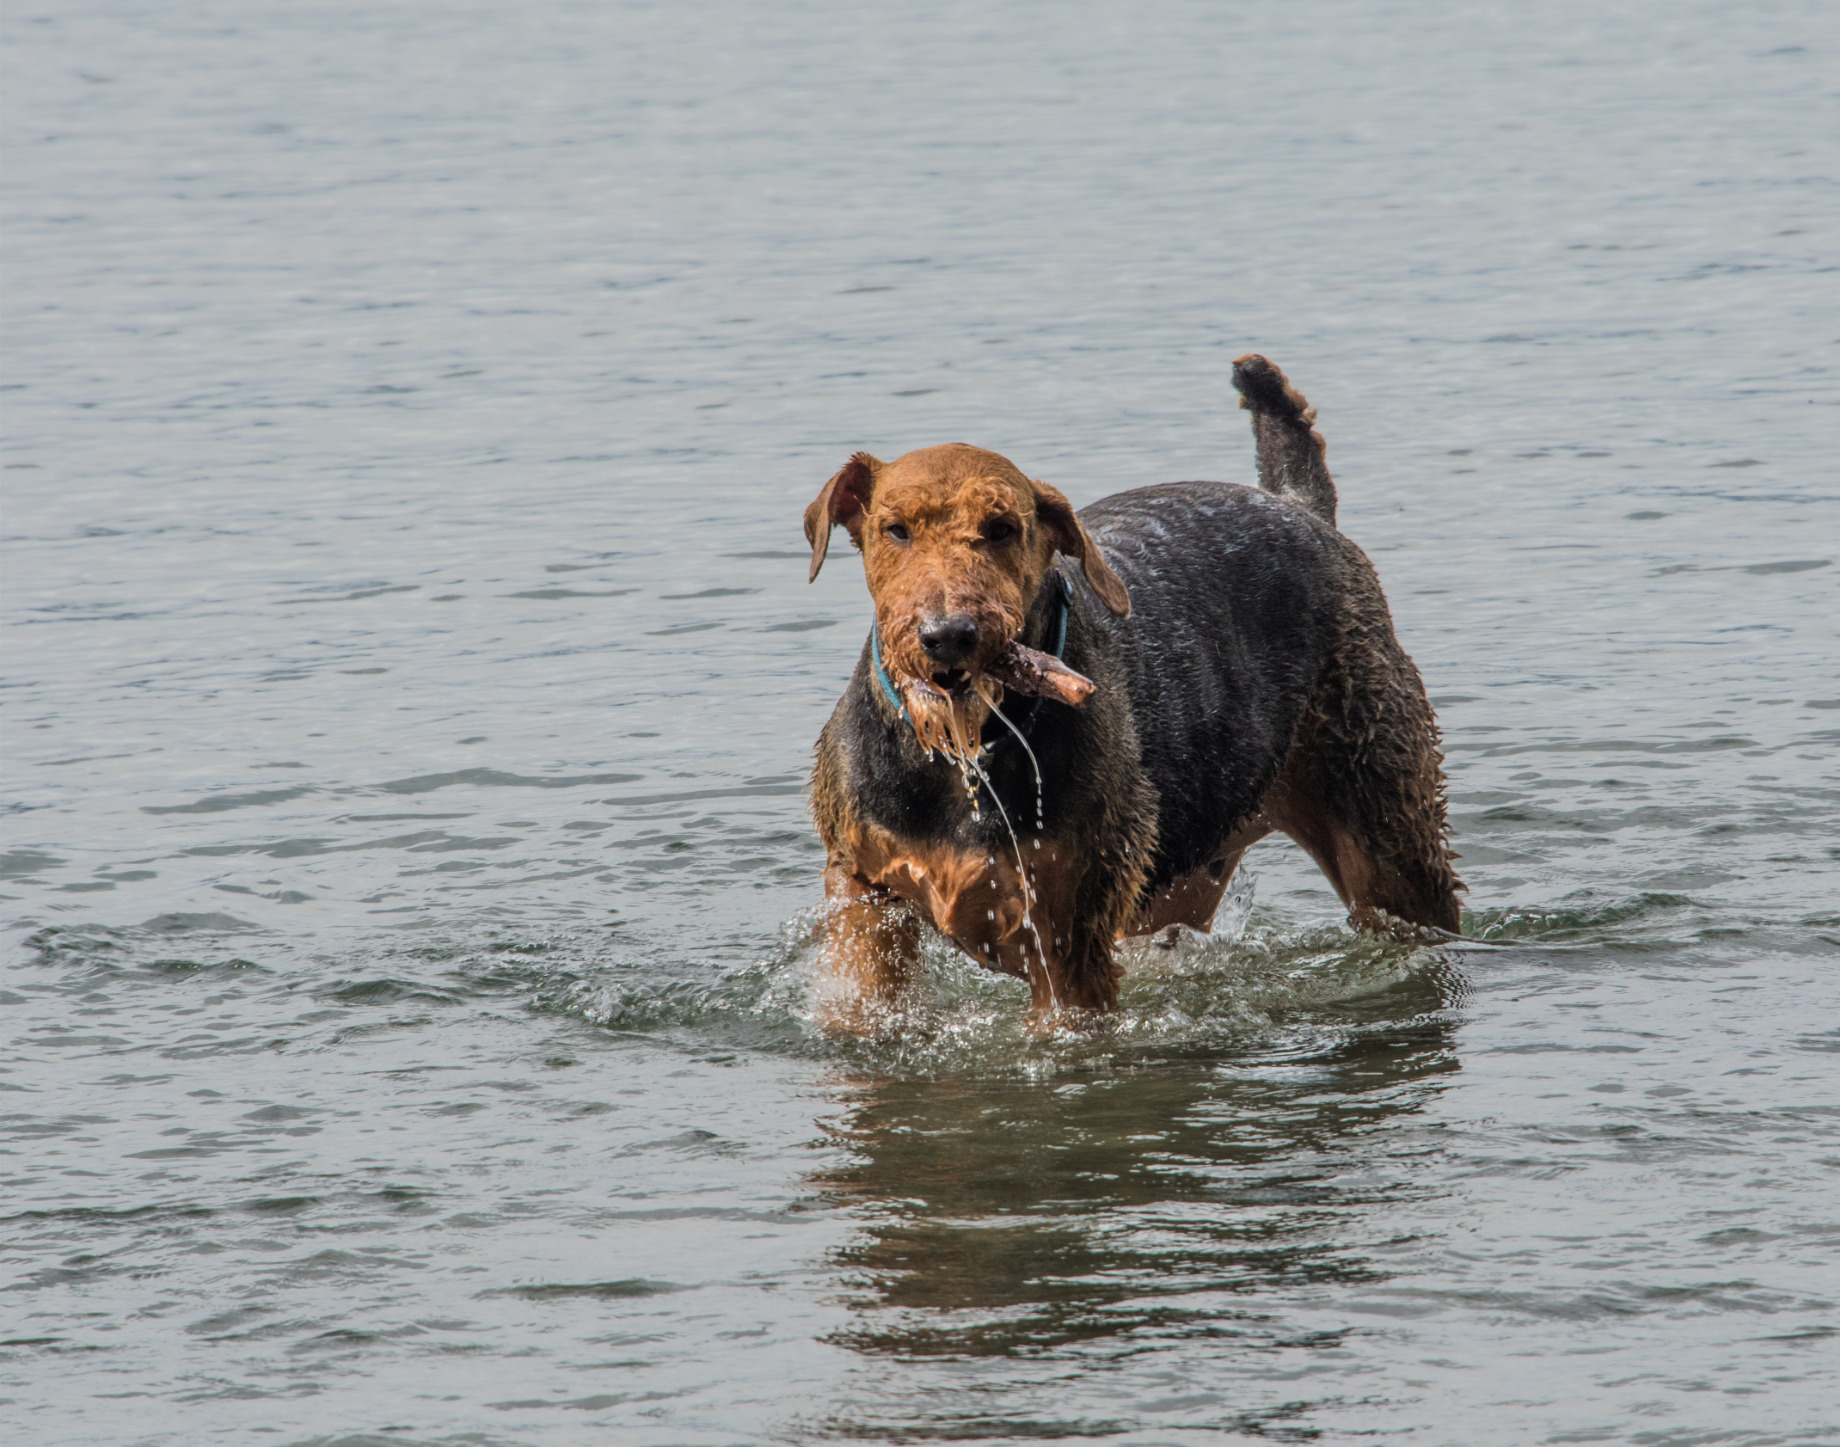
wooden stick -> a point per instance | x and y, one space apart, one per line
1027 670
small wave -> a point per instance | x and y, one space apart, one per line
90 946
1584 920
591 1290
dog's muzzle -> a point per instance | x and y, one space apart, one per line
949 640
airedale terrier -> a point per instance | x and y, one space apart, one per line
1209 663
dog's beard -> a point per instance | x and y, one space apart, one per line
948 708
950 722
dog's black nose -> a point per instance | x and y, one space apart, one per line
950 640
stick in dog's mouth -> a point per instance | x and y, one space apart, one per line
1028 670
948 709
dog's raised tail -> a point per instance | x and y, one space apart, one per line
1291 460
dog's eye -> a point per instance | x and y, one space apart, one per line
1000 531
899 532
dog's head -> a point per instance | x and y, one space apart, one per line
956 545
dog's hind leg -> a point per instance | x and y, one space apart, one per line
1363 791
1390 866
1194 899
1291 451
1191 899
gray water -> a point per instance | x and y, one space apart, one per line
410 681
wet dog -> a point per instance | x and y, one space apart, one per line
1236 674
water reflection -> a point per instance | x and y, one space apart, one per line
1149 1199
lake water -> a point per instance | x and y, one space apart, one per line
411 678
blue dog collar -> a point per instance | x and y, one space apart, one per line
881 673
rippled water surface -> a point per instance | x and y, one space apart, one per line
410 681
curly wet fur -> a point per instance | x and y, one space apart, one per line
1251 681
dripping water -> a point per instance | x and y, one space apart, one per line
1028 890
1040 815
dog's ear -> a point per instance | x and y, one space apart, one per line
1062 528
842 501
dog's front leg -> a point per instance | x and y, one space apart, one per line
1030 925
870 942
1076 985
1044 976
1032 939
